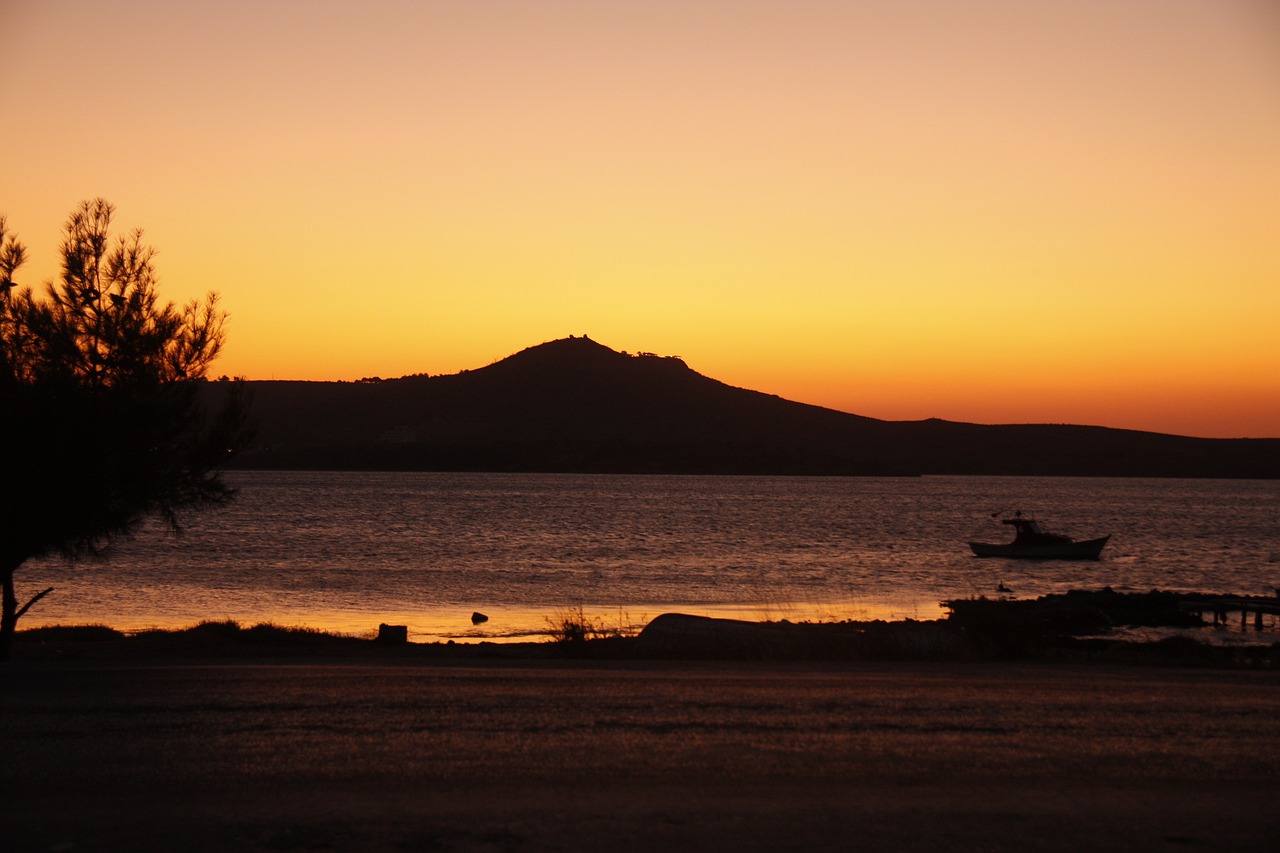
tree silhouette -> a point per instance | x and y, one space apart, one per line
102 415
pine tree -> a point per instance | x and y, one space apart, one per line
103 415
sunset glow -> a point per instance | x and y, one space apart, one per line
994 211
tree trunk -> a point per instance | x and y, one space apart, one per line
9 614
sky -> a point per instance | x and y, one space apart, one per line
991 211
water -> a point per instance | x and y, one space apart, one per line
346 551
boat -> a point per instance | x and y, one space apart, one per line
1030 542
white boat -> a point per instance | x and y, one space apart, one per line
1030 542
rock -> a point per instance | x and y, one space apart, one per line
701 636
679 635
478 617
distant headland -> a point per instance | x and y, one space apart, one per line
574 405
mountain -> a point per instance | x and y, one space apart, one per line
573 405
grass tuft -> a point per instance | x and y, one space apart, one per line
574 626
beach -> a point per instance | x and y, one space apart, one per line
384 753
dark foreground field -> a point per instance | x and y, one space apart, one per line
379 754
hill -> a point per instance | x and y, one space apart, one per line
574 405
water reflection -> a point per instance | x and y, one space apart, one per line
346 551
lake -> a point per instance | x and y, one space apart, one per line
346 551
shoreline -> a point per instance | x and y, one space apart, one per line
1103 626
989 730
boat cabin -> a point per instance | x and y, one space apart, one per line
1027 532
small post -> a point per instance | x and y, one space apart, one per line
393 635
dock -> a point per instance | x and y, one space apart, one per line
1223 606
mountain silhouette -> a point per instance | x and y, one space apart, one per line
573 405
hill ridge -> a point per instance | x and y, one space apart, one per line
575 405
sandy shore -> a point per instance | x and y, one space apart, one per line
348 754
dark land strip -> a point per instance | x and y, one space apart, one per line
997 729
509 754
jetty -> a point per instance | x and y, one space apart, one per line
1222 606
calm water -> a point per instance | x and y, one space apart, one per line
345 551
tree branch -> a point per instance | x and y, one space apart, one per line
34 599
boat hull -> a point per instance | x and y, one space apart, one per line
1090 549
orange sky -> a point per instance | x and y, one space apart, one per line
996 211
